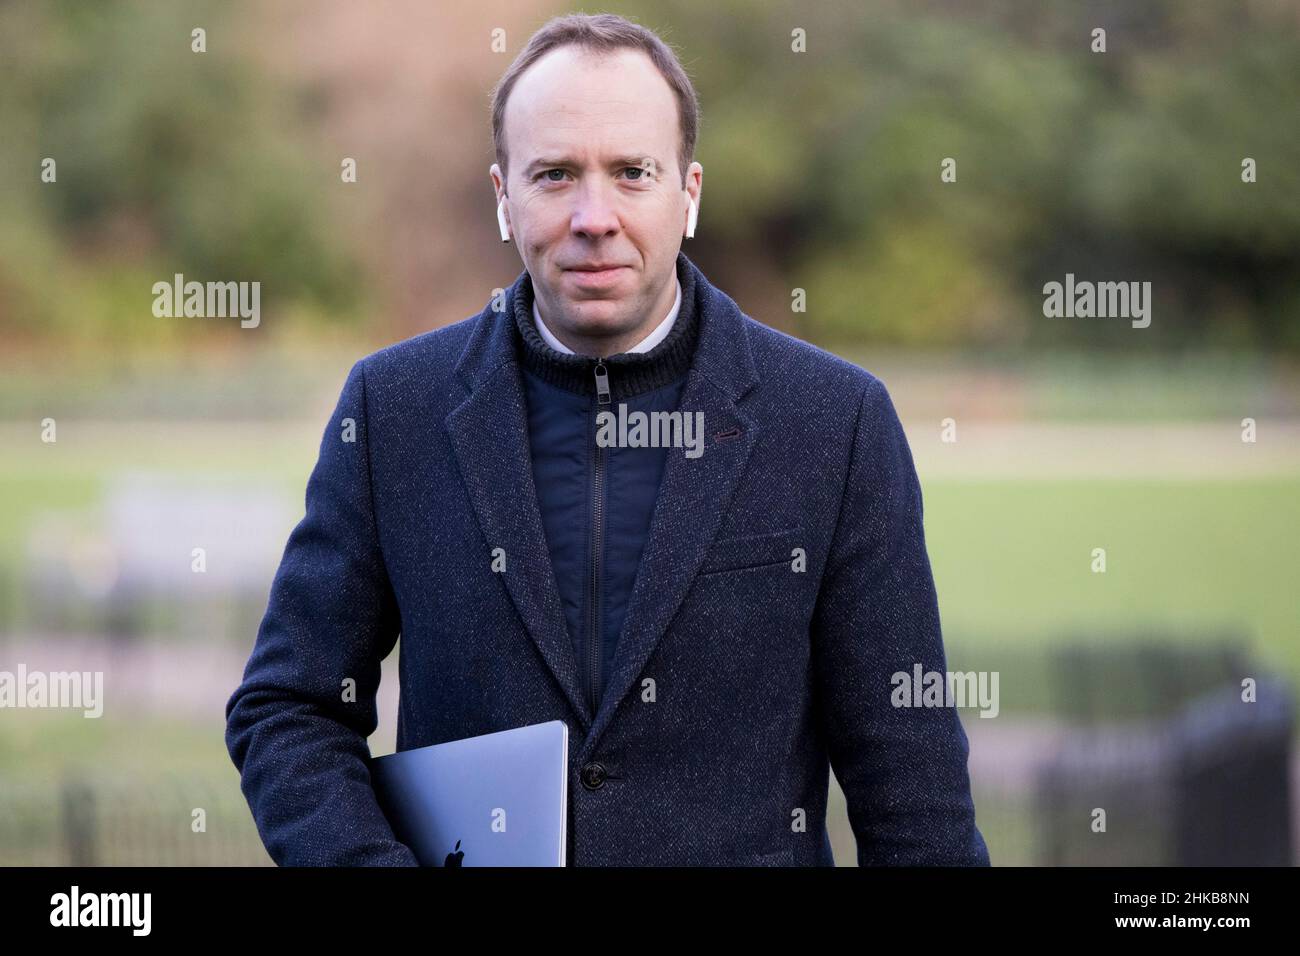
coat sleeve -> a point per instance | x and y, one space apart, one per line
296 735
903 769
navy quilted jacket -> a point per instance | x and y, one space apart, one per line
738 631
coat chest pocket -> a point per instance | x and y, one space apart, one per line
748 551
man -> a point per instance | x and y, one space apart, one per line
715 614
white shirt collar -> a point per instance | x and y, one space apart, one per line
645 345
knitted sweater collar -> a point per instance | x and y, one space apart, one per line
630 373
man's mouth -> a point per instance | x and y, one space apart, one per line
595 275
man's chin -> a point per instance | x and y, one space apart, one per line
603 313
605 321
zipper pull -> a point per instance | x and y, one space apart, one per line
602 382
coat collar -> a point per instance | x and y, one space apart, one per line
489 433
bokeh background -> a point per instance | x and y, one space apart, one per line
1119 690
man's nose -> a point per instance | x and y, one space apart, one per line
596 213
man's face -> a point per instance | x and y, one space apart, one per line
594 181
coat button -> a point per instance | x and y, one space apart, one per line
593 776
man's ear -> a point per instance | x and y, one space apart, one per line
693 207
503 223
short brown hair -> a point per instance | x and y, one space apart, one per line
600 33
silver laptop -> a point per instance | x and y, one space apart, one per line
498 799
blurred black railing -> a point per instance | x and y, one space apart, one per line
1165 760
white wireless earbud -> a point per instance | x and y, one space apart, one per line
691 215
501 221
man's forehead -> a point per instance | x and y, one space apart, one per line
557 103
572 64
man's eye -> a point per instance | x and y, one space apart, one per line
636 179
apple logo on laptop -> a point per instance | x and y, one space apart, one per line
454 859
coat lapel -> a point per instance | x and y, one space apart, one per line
694 493
489 432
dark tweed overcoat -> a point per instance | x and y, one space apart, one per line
784 582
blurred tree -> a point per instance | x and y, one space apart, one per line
168 161
822 168
1123 165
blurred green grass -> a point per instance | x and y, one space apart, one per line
1012 562
1011 558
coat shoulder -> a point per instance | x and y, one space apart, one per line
785 361
429 355
416 376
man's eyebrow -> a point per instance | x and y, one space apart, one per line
643 161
